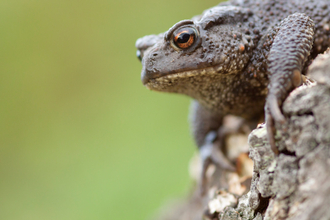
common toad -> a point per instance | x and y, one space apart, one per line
242 57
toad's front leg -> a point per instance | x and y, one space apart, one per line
209 134
291 46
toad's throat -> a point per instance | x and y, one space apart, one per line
220 91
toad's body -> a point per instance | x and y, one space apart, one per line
234 57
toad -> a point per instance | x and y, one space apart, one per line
241 57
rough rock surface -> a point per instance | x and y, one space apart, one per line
296 183
292 185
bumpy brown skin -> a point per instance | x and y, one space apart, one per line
248 54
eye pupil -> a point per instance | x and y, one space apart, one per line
183 38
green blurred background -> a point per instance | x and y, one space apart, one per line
80 137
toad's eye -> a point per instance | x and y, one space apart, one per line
139 55
184 37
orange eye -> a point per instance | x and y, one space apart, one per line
184 37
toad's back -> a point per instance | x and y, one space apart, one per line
273 12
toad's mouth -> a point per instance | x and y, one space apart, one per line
172 79
186 79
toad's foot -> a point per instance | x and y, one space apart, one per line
210 153
292 44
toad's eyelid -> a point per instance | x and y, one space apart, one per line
169 33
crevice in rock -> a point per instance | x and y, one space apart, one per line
305 113
289 153
263 204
